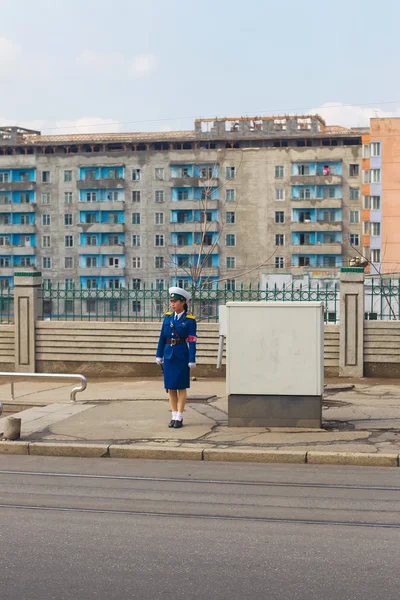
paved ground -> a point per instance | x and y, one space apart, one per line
365 418
148 530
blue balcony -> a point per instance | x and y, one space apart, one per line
319 261
93 194
101 172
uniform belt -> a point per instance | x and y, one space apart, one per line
174 341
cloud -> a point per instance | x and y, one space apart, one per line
337 113
115 64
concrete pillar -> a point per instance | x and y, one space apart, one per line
351 358
27 308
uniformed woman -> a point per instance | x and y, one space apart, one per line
177 352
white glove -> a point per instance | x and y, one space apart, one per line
192 365
159 360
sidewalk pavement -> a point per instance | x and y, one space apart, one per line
361 418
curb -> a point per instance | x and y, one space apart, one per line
157 452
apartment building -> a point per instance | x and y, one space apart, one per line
217 203
381 189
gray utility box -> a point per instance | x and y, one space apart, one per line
274 363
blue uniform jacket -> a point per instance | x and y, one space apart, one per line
177 357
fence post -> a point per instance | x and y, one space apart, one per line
351 358
27 308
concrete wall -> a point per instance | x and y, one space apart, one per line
382 348
7 348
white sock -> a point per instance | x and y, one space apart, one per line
174 415
179 416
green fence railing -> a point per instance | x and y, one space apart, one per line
382 299
150 304
6 306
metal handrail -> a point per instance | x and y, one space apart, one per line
74 391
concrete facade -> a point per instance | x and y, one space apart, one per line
245 173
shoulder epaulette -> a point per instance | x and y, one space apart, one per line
168 312
190 317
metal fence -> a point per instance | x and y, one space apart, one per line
150 304
382 299
6 305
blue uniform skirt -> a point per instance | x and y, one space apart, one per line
176 368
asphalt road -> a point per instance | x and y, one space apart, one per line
179 530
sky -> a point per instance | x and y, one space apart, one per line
69 66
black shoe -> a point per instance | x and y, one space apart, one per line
171 423
178 424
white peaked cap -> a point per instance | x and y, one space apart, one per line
180 292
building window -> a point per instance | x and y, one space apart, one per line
136 196
303 169
160 284
375 255
136 240
136 175
366 227
91 197
159 262
4 199
305 193
46 262
114 284
67 197
279 194
329 261
69 241
69 262
375 228
354 239
304 261
136 306
366 176
230 172
4 261
231 218
230 285
159 218
135 218
69 284
159 240
46 241
159 196
375 149
354 170
26 261
279 262
354 193
67 176
279 216
230 195
136 262
183 194
375 175
91 284
24 220
3 177
113 261
91 262
231 262
136 283
113 196
46 220
68 219
46 198
45 176
230 239
375 202
159 173
279 171
279 239
366 150
24 198
354 216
